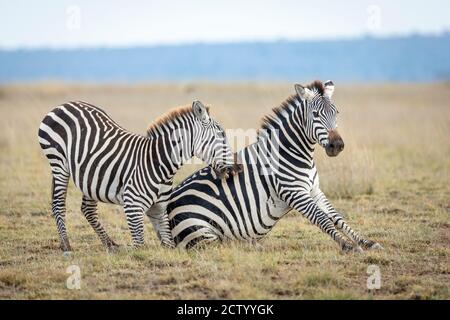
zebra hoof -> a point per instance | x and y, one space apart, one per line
65 246
350 247
113 248
347 247
376 246
259 247
256 246
168 245
358 249
67 254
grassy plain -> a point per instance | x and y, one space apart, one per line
391 182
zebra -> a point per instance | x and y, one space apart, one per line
278 174
112 165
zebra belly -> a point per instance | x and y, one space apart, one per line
101 190
203 209
97 176
194 223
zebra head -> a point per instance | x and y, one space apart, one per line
320 116
210 142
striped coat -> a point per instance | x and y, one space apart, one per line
278 175
110 164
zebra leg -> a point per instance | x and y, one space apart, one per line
322 201
304 203
89 210
59 193
135 221
160 221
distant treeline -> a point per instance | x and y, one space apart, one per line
409 59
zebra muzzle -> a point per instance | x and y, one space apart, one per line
223 173
226 172
335 144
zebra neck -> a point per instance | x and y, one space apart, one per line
286 138
169 152
268 156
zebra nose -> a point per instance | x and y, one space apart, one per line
339 145
335 143
334 147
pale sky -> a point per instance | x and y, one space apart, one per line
119 23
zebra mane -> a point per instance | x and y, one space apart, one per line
286 107
269 120
317 87
168 117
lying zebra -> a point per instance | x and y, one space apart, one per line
109 164
279 174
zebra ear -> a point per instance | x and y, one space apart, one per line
199 110
303 92
329 89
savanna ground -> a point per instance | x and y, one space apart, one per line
391 182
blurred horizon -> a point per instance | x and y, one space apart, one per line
415 59
365 36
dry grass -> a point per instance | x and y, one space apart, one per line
391 182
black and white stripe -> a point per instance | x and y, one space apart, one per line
278 175
110 164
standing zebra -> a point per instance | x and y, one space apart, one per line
279 174
110 164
